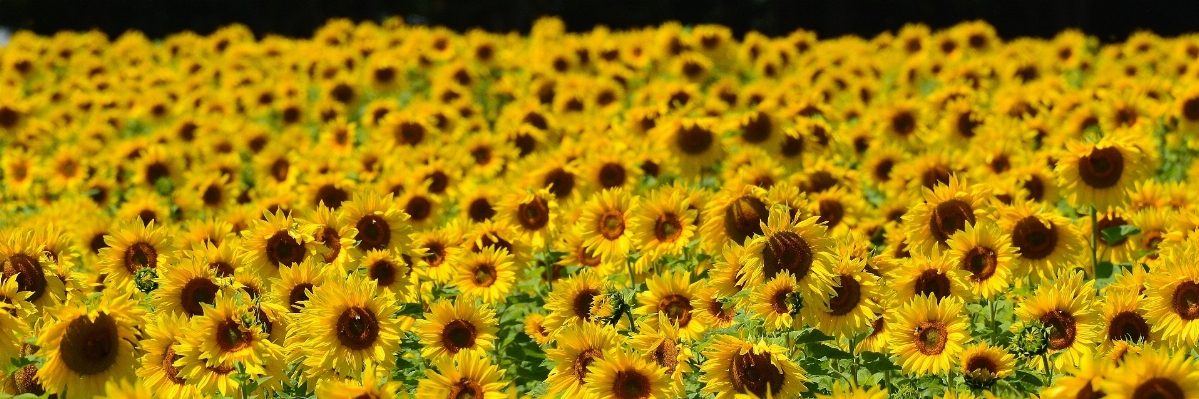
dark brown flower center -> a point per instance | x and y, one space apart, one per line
667 355
373 232
168 365
384 272
668 227
583 361
931 337
779 301
1190 109
694 140
754 372
1062 329
743 218
933 282
831 212
1186 300
332 241
980 261
903 123
30 276
758 128
631 384
847 296
419 208
533 215
331 196
560 182
196 293
611 224
1128 326
949 217
480 209
298 294
982 362
458 335
140 255
937 174
583 301
26 380
1159 388
90 347
485 275
677 308
787 251
1033 239
612 175
283 250
357 328
1102 168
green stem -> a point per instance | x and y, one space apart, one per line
1048 371
632 276
853 359
994 328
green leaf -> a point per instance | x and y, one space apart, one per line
824 351
808 336
1103 270
1115 234
877 362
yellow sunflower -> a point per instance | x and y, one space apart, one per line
734 214
1067 309
735 366
1084 380
852 304
489 274
665 226
664 347
32 271
672 295
1153 374
1099 174
696 142
794 246
535 215
468 374
534 324
984 364
1046 241
223 337
578 348
987 254
379 221
933 274
373 384
928 334
775 303
571 300
346 322
329 232
276 242
1125 319
844 391
185 286
132 246
1172 297
388 269
619 375
159 369
450 327
607 223
947 209
87 346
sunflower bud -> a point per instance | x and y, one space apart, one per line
146 279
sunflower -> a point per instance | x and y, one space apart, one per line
159 370
794 246
535 214
1172 297
295 284
1153 374
452 327
1046 241
736 367
947 209
983 364
665 226
387 269
987 254
734 214
436 244
534 324
185 286
852 303
696 142
468 374
607 223
664 347
928 333
1067 309
571 300
276 242
1125 319
86 346
373 384
489 274
619 375
673 296
24 263
345 323
379 221
15 310
610 166
578 348
1099 174
775 303
224 336
1084 381
336 237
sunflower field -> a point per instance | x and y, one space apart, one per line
396 211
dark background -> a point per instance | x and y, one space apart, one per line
1110 20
